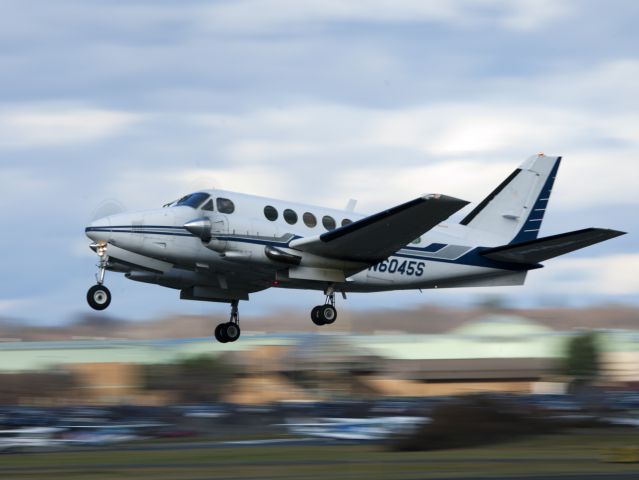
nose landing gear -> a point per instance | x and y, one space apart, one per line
230 331
99 296
327 313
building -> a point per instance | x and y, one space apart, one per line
495 353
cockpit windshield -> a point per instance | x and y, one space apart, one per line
193 200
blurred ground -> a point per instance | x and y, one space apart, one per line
566 456
93 400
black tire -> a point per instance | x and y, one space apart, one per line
232 331
316 316
98 297
219 333
328 314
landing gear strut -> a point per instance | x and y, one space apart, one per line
99 296
327 313
230 331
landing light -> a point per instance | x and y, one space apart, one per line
101 249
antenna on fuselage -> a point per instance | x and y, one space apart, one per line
350 206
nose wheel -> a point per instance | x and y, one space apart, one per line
229 331
327 313
99 296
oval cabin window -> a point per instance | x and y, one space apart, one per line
290 216
309 219
270 213
328 222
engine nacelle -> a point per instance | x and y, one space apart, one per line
174 278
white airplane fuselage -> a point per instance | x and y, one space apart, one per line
236 258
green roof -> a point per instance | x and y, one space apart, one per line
488 337
501 326
24 356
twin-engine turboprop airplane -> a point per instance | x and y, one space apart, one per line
220 246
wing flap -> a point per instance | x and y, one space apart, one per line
535 251
378 236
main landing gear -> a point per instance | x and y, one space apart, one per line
327 313
230 331
99 296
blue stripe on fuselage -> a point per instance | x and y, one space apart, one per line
141 230
471 258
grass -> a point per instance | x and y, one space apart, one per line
556 454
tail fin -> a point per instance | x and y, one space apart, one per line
513 212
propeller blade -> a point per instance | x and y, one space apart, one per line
106 208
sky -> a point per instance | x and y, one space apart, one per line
141 102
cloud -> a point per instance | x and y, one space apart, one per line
530 15
15 181
598 87
12 305
51 126
614 275
260 16
163 186
461 149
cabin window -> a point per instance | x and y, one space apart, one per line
309 219
208 205
346 221
328 222
270 213
290 216
193 200
224 205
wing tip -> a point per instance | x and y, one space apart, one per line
444 198
611 232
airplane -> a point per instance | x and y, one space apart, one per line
221 246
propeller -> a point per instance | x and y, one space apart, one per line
107 207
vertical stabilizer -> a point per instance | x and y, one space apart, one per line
513 212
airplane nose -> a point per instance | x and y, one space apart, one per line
99 229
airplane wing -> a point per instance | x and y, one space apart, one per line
377 236
535 251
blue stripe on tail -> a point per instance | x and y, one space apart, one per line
530 229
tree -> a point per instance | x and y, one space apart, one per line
582 361
201 378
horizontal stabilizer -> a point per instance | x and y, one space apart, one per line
535 251
378 236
